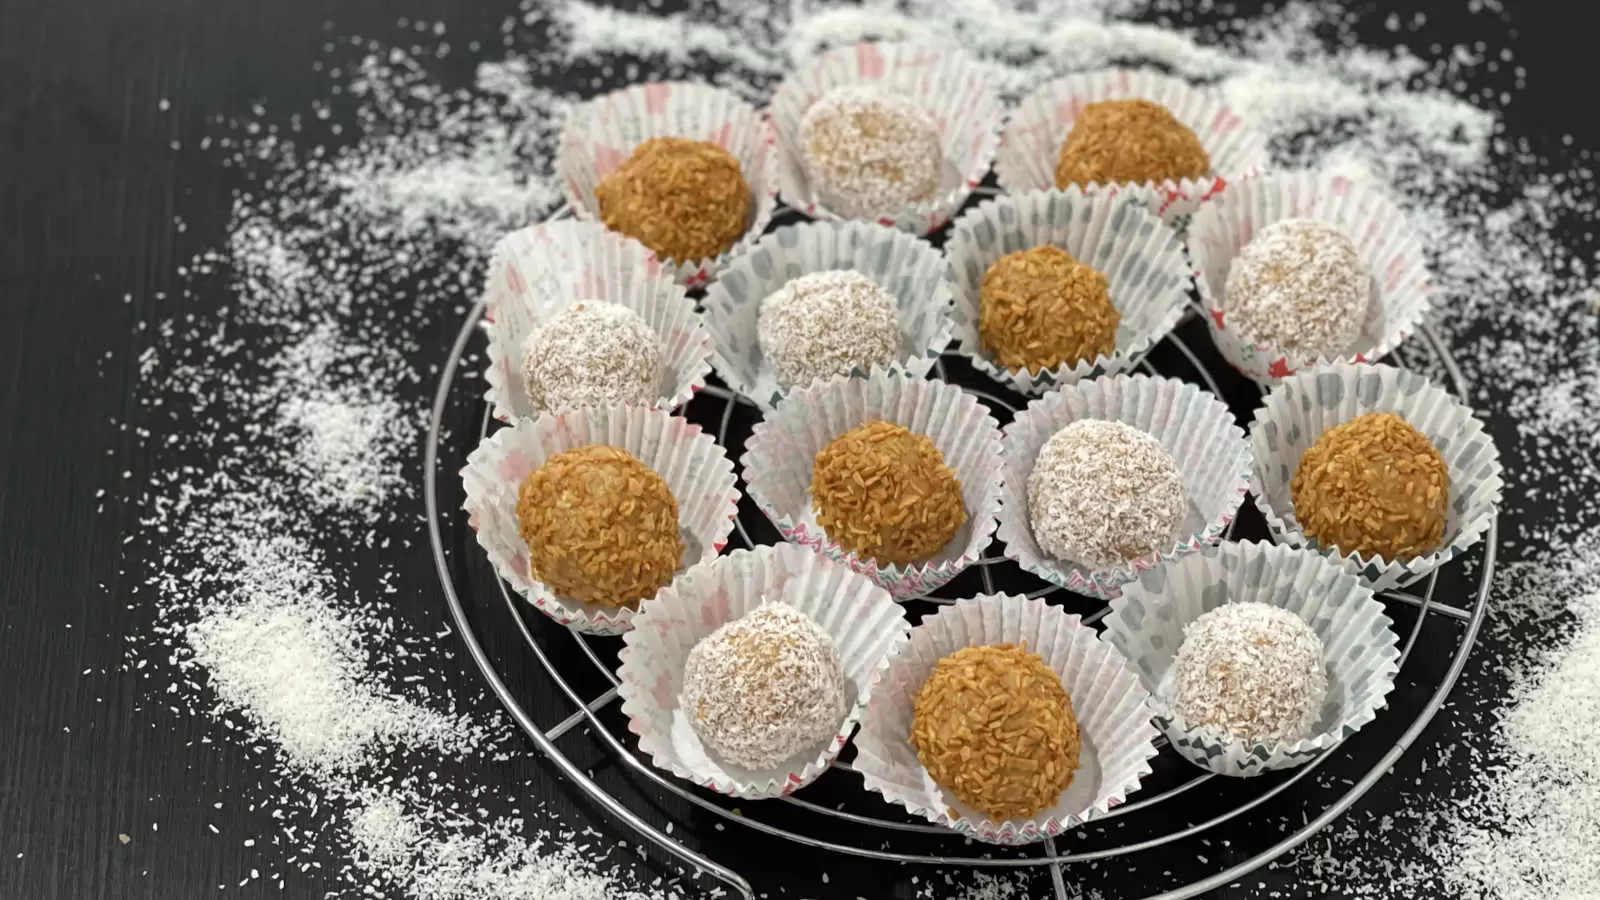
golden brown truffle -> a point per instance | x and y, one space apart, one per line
1039 308
600 525
994 726
884 493
1129 141
1374 485
684 199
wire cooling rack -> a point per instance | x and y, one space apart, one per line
1176 807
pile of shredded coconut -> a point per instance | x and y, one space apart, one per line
283 419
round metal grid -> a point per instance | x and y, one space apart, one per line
530 626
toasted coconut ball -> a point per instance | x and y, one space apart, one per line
686 200
872 152
1103 494
1252 671
994 726
592 354
1374 485
883 492
1129 142
1040 308
1300 287
825 324
601 526
764 687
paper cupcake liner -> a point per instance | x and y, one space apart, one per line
778 459
600 134
1301 407
909 268
1112 709
1362 651
1140 257
864 623
694 466
1388 246
1212 454
1031 143
957 93
538 272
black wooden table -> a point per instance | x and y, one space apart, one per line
90 184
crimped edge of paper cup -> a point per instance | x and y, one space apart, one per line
694 466
1040 122
676 109
1295 579
1388 244
866 625
1382 388
1112 707
784 444
901 64
1206 432
906 266
1109 232
589 264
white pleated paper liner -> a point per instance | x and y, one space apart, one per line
1360 646
1301 407
778 464
694 466
956 92
904 265
1141 258
1196 428
538 272
1389 248
1113 712
1030 144
865 624
600 135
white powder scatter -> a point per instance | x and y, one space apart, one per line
284 414
300 672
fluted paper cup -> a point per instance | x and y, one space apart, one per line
1389 248
600 135
865 624
959 95
1030 144
1113 712
694 466
1197 429
538 272
1141 258
1301 407
909 268
1360 647
778 464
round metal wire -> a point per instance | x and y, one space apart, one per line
530 626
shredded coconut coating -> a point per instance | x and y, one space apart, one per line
1298 286
1041 307
1104 493
1252 671
1130 141
600 526
686 200
883 492
825 324
994 726
1374 485
592 354
764 687
871 151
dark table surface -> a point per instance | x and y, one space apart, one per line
90 184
